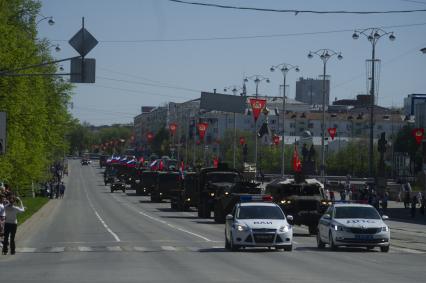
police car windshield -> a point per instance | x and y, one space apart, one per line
260 212
222 177
356 212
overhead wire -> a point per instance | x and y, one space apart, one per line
246 36
295 11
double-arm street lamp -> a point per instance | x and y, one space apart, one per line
423 50
373 35
257 79
234 90
324 55
285 68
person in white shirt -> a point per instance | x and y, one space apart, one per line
2 215
11 224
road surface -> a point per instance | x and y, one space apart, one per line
93 235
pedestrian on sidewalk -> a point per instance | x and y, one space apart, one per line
61 190
407 194
11 223
422 205
413 206
384 202
2 215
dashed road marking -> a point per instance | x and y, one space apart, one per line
168 248
56 250
26 250
114 249
85 249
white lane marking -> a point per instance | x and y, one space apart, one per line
57 250
166 223
101 220
114 249
411 251
84 249
193 249
218 247
168 248
26 250
175 227
294 242
140 249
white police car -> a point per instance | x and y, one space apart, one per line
255 223
352 224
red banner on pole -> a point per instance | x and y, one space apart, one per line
149 136
242 140
173 128
257 105
202 128
332 132
215 162
297 164
418 134
276 139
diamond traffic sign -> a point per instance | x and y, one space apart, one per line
83 42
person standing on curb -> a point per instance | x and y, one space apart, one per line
2 216
61 190
11 224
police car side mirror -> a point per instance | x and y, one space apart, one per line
385 217
229 217
290 219
326 216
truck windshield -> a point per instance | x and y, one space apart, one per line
311 190
356 212
260 212
222 177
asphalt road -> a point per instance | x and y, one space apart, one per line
94 236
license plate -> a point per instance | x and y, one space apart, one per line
364 237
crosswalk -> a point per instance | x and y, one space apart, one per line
141 249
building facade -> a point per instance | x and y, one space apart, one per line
310 91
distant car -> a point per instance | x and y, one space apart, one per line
85 162
357 225
258 224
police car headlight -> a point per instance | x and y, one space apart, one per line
241 228
284 229
226 193
337 227
212 194
385 229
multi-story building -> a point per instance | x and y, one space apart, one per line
410 102
310 91
150 120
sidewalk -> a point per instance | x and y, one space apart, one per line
397 212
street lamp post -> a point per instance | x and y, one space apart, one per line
257 79
234 90
285 68
324 55
373 35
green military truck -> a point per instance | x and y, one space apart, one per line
165 184
302 198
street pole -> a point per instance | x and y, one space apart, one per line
323 123
373 35
325 55
235 139
284 70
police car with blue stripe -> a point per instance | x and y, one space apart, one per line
256 221
353 224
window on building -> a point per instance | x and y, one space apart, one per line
311 125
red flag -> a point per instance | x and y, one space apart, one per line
173 128
149 136
297 165
418 134
215 162
202 128
276 139
257 105
161 166
242 140
332 132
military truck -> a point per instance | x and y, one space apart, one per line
148 182
218 189
302 198
166 183
185 196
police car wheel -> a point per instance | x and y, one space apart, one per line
233 246
384 249
288 248
331 242
320 243
112 190
227 245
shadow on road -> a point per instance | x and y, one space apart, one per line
208 222
340 249
181 217
304 235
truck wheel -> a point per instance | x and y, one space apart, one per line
227 245
312 230
234 247
124 190
333 247
112 190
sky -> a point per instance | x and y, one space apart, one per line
151 52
